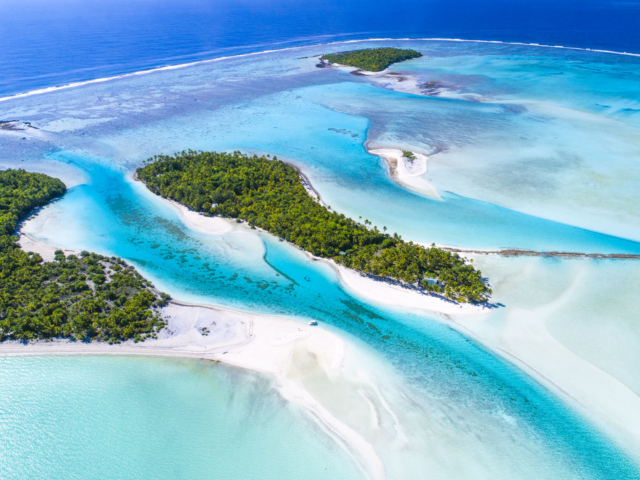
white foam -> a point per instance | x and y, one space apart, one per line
200 62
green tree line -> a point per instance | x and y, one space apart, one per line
82 297
371 59
269 194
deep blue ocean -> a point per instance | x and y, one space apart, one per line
46 43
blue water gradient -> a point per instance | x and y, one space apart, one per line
123 219
137 417
281 104
54 43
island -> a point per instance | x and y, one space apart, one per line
371 59
83 297
269 194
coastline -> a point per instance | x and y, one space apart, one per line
261 343
374 289
210 60
271 344
407 174
388 293
47 252
195 220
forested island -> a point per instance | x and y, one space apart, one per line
371 59
82 297
269 194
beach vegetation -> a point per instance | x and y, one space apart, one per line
371 59
269 194
408 155
83 297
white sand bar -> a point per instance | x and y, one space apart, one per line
388 293
261 343
408 173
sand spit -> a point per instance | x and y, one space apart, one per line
407 173
514 252
261 343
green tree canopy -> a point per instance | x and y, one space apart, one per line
371 59
269 194
86 297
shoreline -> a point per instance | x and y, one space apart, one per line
407 174
372 288
256 342
210 60
212 225
391 293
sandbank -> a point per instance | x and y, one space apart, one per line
261 343
200 223
406 173
520 334
390 293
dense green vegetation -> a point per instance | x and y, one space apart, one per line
86 297
371 59
269 194
408 155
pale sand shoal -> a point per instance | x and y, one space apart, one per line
522 338
261 343
409 175
200 223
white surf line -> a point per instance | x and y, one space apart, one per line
211 60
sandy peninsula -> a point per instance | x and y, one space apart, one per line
407 173
262 343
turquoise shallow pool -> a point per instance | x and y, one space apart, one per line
137 417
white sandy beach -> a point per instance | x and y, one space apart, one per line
47 252
406 173
261 343
387 293
200 223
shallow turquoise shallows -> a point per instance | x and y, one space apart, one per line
252 271
563 152
142 417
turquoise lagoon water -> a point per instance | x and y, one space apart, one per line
554 156
281 104
124 219
139 417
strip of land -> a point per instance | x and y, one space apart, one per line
406 172
269 194
262 343
514 252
